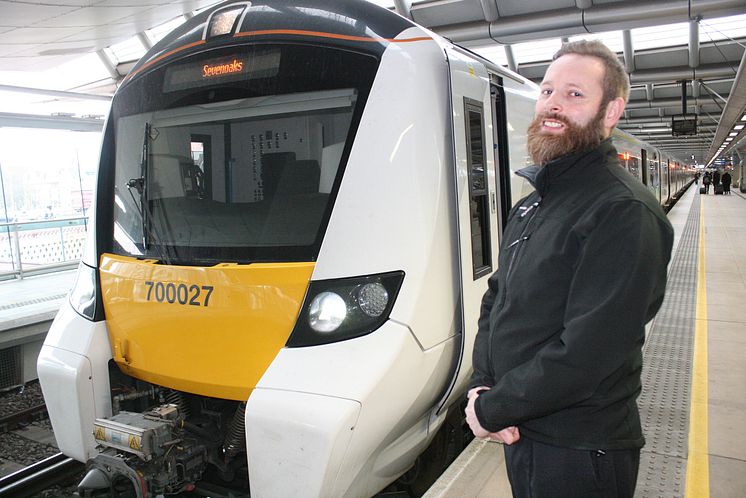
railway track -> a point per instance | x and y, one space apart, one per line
21 417
27 444
40 476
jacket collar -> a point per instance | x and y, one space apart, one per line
565 168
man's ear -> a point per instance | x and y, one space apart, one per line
614 110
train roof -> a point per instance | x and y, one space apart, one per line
356 24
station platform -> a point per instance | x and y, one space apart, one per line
27 308
33 299
692 404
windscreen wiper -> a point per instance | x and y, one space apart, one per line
141 185
149 232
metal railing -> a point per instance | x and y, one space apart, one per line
41 246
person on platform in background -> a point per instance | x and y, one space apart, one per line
582 268
706 180
715 178
726 179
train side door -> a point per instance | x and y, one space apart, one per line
476 206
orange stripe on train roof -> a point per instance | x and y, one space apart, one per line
163 56
300 32
322 34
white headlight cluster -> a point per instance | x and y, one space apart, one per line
344 308
328 309
327 312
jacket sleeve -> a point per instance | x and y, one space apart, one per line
618 285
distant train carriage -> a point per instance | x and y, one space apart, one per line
665 176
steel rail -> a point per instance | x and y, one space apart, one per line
39 476
12 421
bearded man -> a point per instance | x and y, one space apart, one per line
582 269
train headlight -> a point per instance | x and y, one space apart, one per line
340 309
327 312
83 293
373 299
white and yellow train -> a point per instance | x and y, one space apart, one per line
298 207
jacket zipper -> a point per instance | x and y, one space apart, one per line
521 238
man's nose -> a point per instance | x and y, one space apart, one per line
552 103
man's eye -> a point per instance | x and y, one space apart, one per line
546 91
576 94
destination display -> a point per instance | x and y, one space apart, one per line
206 72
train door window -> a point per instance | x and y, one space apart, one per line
655 178
198 178
478 190
634 166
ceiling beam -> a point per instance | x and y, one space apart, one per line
594 19
662 130
651 119
629 51
694 43
146 43
511 58
649 92
403 8
669 102
108 65
489 8
54 93
678 73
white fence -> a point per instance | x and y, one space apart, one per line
40 246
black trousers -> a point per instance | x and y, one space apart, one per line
538 470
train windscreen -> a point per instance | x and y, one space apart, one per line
235 155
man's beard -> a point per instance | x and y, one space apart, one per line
544 147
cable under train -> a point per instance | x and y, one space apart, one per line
297 209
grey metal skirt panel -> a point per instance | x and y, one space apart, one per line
666 375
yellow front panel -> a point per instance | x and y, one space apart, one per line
210 331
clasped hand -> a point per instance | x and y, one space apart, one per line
509 435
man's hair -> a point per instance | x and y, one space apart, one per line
616 81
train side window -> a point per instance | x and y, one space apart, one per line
478 190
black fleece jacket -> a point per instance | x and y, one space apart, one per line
582 269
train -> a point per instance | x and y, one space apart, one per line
666 176
298 206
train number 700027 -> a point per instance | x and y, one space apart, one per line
193 295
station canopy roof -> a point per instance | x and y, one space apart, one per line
66 57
